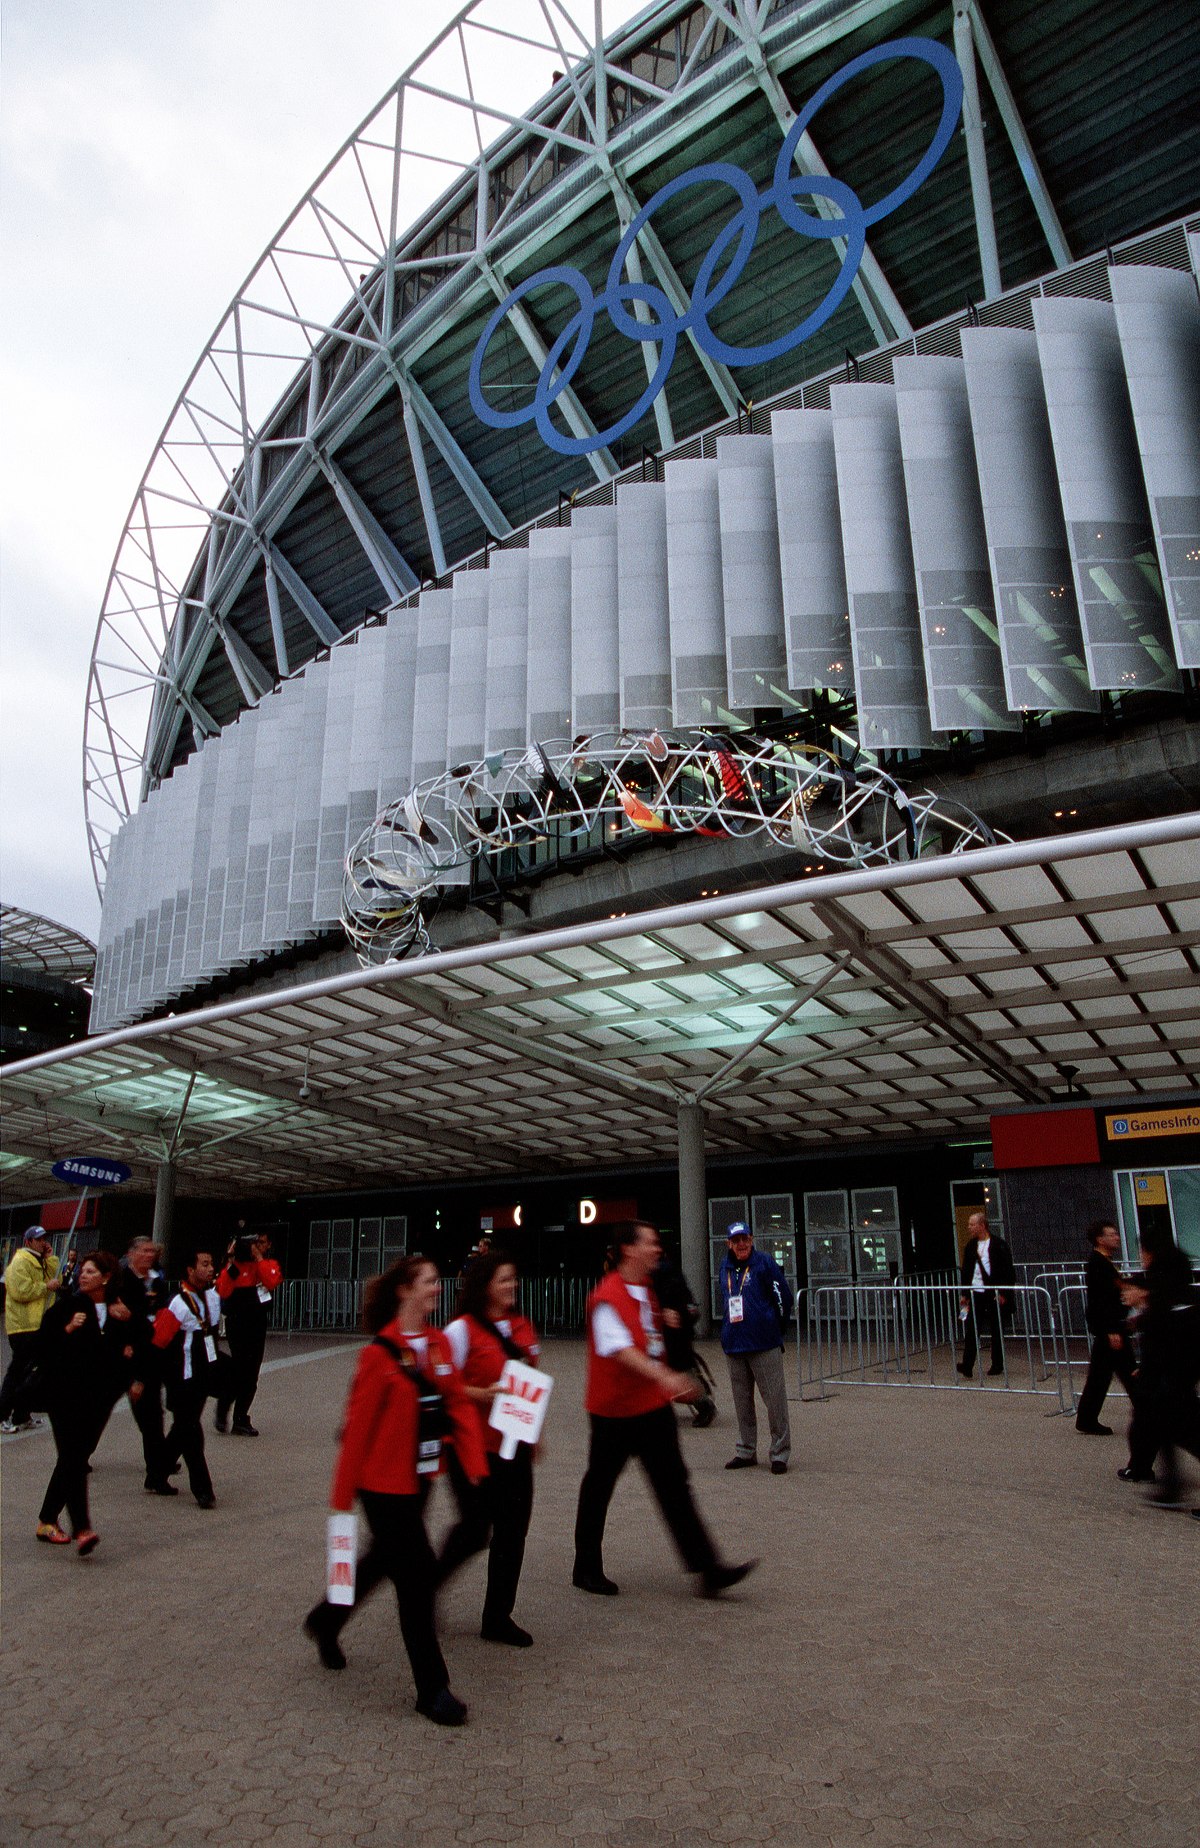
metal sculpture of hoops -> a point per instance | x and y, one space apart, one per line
670 782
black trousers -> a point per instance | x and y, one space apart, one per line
1104 1363
1166 1416
400 1551
148 1415
497 1511
653 1439
77 1431
246 1333
185 1440
983 1312
19 1378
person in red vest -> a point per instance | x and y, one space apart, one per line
406 1396
245 1287
486 1334
629 1396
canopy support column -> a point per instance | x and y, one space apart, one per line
693 1209
164 1206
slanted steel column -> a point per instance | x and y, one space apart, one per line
981 191
693 1209
164 1206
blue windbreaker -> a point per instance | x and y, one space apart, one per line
766 1304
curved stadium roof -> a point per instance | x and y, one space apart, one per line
323 459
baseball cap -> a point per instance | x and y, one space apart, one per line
739 1229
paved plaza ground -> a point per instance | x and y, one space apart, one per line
964 1630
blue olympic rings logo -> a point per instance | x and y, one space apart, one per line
663 325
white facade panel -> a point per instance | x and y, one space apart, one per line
340 674
752 590
394 773
302 885
431 695
595 635
643 605
696 595
507 676
467 694
816 608
548 695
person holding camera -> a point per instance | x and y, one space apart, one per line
405 1400
245 1287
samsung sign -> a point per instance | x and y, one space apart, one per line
91 1171
722 265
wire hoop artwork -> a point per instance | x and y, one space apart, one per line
670 782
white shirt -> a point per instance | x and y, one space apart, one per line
459 1336
610 1334
101 1312
192 1325
983 1268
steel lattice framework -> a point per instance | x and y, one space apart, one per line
357 287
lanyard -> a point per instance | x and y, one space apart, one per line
198 1308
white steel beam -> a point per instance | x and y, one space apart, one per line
981 189
1018 135
393 570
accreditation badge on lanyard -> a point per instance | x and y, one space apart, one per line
199 1308
736 1304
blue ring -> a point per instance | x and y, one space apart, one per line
741 230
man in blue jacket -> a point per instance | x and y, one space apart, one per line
757 1303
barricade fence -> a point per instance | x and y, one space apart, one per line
334 1305
909 1334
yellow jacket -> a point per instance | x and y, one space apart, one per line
25 1290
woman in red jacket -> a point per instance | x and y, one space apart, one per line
245 1287
486 1334
405 1396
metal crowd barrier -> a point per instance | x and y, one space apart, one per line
908 1334
333 1305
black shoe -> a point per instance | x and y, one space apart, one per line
243 1428
221 1424
1094 1430
742 1463
966 1372
320 1625
206 1502
993 1371
594 1582
719 1578
1129 1474
443 1709
158 1485
779 1469
504 1630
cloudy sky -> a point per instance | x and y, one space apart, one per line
149 149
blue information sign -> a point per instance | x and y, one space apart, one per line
91 1171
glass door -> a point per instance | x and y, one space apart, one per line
878 1250
722 1212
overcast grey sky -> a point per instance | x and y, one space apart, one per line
149 149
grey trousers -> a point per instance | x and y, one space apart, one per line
746 1371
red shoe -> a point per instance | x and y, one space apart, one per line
52 1534
87 1542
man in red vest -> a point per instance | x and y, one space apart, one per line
630 1391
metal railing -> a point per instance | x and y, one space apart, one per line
907 1334
333 1305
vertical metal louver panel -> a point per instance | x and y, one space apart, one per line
187 780
644 617
468 667
548 698
1041 642
885 630
595 666
365 728
307 825
695 594
1126 634
206 760
264 796
816 612
339 671
507 676
394 771
244 744
949 545
755 648
432 687
290 701
224 794
1158 320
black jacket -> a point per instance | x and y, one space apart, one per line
88 1367
143 1300
1105 1310
999 1258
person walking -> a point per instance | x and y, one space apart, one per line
629 1398
757 1302
245 1288
87 1357
1166 1412
140 1285
1108 1325
987 1274
185 1332
486 1334
406 1397
30 1284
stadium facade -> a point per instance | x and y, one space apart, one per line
809 383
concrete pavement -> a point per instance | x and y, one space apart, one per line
964 1629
